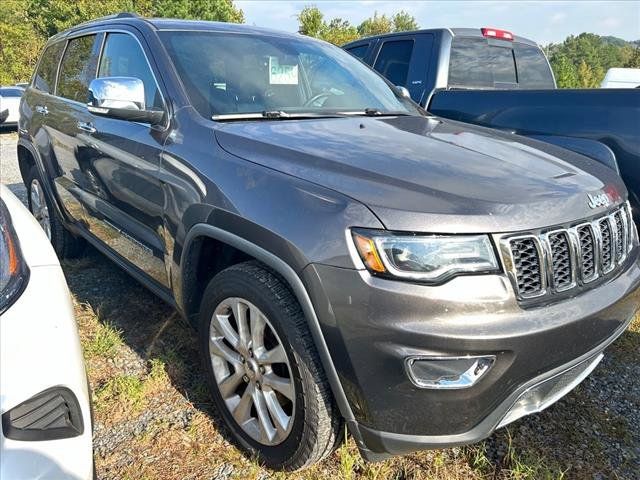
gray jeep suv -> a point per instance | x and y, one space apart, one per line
344 255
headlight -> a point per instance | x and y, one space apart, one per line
13 270
427 258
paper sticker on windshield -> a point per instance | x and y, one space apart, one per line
282 74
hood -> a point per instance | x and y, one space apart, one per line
428 174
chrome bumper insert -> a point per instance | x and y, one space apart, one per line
541 395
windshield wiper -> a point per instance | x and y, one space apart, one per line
374 112
275 115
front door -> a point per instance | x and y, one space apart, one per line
125 208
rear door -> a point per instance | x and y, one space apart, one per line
404 61
65 110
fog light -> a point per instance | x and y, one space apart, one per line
448 372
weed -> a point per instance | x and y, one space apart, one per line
104 342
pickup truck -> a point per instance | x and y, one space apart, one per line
494 78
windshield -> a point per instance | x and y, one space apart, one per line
231 74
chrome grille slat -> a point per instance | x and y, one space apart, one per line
562 259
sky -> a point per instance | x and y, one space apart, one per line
542 21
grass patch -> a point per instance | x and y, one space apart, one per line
104 342
123 390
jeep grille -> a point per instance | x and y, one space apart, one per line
558 260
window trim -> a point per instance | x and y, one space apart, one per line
104 31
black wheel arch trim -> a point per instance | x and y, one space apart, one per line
37 160
300 292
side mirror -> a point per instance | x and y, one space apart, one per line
403 91
122 98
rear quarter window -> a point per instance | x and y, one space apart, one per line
78 68
359 52
45 78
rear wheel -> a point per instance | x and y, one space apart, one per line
64 243
267 383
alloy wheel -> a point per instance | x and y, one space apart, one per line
38 206
252 371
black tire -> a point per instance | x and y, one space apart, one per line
64 243
317 425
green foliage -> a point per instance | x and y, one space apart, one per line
581 61
376 25
25 25
338 31
404 22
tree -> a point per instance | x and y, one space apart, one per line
25 25
376 25
311 21
339 32
634 59
586 78
213 10
590 56
403 22
565 73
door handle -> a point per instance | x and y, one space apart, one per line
87 127
42 109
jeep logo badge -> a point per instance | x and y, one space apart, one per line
599 200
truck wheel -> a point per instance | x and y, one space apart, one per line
268 386
64 243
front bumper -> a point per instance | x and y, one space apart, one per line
40 352
372 325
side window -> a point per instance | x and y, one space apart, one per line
123 57
360 51
393 60
78 68
45 78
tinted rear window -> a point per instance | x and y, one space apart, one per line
393 61
45 78
78 68
481 63
359 52
533 69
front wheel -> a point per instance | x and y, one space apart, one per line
265 376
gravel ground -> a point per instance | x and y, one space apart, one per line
168 432
9 172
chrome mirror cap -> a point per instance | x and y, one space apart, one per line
403 91
116 92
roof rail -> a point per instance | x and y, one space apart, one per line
109 17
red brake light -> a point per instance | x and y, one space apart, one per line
496 33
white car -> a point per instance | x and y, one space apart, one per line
10 101
44 402
621 78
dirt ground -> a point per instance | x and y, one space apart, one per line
153 413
